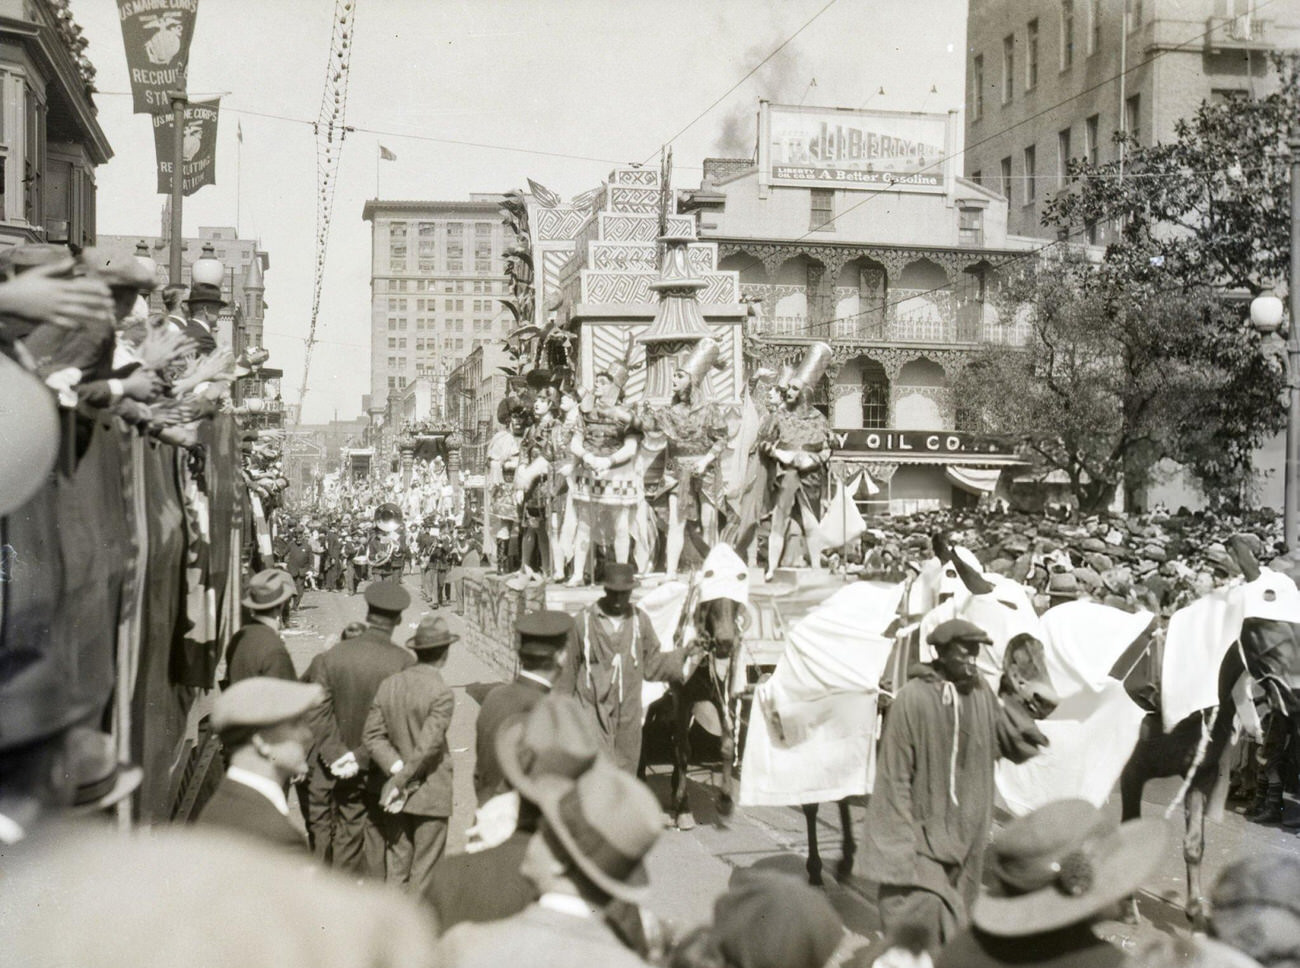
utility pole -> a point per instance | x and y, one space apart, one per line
1291 502
179 99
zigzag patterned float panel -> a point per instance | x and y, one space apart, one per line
621 256
625 227
556 224
611 343
681 226
725 383
722 289
643 200
619 288
634 176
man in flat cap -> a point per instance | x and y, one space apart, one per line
931 811
350 673
543 637
263 725
257 648
406 735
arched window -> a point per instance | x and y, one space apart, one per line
875 396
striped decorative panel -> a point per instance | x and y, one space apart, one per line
722 289
622 256
644 200
622 288
555 224
635 176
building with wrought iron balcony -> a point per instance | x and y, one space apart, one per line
855 228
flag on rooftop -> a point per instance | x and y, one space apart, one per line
386 155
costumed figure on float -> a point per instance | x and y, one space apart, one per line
695 432
533 481
503 456
606 486
795 446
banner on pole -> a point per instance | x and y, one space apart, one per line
157 35
200 147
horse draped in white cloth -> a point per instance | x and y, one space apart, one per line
709 612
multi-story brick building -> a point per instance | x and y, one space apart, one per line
1051 80
436 272
853 228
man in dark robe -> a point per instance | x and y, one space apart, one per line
616 649
931 810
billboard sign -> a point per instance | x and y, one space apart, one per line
870 150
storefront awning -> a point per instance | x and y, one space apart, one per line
977 480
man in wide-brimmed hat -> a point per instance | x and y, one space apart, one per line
351 672
616 649
554 735
101 777
1056 871
588 853
932 807
406 735
257 648
263 726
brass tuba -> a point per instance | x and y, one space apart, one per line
388 520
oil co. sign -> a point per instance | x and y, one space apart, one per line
921 441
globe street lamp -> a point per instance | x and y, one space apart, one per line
1266 316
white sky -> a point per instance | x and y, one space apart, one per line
603 79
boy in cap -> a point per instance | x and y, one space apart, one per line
932 808
257 648
543 636
263 725
588 853
351 671
406 735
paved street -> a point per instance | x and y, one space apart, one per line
688 870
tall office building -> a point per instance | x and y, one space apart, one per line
1050 80
436 270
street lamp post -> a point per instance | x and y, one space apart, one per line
1266 314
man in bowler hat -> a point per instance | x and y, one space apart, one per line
406 735
263 725
616 649
204 307
351 672
257 649
543 636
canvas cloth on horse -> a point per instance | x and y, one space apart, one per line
812 731
664 606
1201 634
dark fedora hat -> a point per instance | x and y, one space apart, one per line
1062 864
619 577
554 738
431 633
205 292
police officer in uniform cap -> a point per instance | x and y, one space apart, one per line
543 636
350 673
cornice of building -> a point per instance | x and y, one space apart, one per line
378 206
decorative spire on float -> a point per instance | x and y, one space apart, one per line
678 324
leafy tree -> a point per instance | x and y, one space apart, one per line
1141 357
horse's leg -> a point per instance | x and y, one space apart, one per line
1193 851
681 808
814 865
849 847
1131 782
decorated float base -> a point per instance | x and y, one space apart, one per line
490 604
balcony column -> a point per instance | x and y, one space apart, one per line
819 299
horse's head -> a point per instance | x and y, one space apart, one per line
719 625
1025 678
723 597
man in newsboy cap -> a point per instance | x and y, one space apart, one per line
263 725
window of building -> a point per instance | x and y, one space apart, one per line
977 177
1063 153
1091 134
392 323
1008 68
482 265
460 343
1220 95
455 230
1067 34
482 228
970 227
401 324
1006 177
401 343
1090 230
1030 173
1094 26
428 230
392 383
875 396
455 265
822 203
1133 117
392 342
397 230
1031 55
1134 13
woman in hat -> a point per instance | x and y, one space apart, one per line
795 443
1057 871
697 436
504 452
606 487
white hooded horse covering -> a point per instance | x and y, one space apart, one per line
1094 729
812 729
